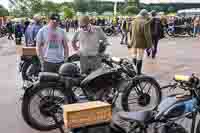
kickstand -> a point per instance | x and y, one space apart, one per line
59 124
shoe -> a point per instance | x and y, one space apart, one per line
121 43
148 54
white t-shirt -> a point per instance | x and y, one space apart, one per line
53 41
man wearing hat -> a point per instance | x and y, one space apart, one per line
140 38
91 39
52 47
32 30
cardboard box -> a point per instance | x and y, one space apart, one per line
86 114
26 51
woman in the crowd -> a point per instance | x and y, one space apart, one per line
140 39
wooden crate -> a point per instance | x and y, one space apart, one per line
26 51
86 114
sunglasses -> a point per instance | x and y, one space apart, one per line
83 26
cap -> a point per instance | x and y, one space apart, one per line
55 17
143 12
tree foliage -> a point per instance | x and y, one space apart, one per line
49 7
3 11
26 7
68 12
131 10
171 9
158 8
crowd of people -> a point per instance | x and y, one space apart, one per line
141 33
52 41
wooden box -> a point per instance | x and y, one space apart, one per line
86 114
27 51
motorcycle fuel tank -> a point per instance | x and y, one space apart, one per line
101 73
173 107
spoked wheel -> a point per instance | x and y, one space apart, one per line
40 105
145 93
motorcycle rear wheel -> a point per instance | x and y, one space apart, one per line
42 105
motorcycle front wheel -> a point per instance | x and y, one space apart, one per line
144 93
40 103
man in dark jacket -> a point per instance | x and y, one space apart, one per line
156 31
9 27
26 24
19 30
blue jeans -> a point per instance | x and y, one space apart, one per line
196 30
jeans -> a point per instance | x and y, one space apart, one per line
196 30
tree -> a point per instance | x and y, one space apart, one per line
81 5
171 9
131 10
133 3
157 8
26 7
68 12
3 11
49 7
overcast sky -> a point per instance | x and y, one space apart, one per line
5 3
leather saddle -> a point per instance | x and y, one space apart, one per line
48 77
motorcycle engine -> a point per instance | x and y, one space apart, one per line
104 94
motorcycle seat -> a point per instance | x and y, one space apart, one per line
48 77
140 116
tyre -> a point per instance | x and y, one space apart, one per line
143 93
198 127
29 69
24 70
190 32
39 103
170 33
109 32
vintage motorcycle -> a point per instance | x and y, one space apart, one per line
30 67
165 116
177 30
53 90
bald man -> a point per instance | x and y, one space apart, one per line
89 38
